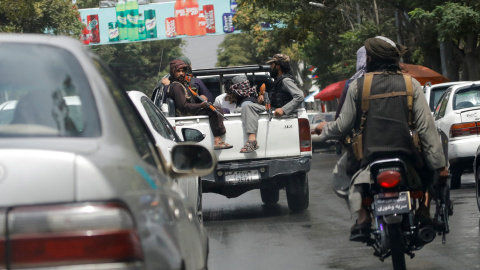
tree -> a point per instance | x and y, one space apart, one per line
140 65
457 26
58 17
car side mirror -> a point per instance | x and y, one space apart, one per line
191 160
192 135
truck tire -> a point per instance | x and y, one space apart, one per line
297 193
199 201
455 177
270 195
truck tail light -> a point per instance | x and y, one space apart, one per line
72 234
305 137
464 129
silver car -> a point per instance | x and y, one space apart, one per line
82 185
165 138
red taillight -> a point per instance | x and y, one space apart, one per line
72 234
305 137
389 179
464 129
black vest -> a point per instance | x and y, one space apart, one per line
280 95
386 132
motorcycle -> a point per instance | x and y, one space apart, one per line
393 204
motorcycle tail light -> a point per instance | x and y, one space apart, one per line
463 129
305 136
72 234
389 179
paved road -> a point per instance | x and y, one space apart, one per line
244 234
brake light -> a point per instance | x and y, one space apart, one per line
389 179
43 236
464 129
305 137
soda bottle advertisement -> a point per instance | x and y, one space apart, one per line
131 8
165 20
121 20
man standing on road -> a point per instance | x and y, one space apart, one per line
285 99
386 130
186 104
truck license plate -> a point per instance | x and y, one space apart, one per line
390 206
242 176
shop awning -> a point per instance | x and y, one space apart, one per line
332 91
423 74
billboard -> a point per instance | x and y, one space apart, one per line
130 22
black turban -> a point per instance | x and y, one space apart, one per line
384 49
176 65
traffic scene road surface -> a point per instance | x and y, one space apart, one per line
245 234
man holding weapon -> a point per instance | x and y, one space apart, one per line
186 103
285 98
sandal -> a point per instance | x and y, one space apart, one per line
249 147
222 145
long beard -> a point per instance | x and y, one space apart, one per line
273 73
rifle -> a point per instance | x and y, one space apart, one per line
268 107
209 105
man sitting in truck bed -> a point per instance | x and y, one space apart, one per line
285 98
186 104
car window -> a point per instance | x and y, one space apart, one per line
442 105
466 98
159 122
435 95
133 121
49 97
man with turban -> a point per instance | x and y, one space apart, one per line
386 128
186 103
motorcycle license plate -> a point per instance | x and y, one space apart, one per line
390 206
249 176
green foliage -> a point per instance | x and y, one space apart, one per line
140 65
58 17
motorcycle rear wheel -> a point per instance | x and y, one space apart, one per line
397 247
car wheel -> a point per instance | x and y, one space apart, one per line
455 177
270 195
298 193
477 187
199 201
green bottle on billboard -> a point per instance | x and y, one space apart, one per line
150 23
142 33
121 20
131 8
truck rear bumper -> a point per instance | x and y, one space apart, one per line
268 171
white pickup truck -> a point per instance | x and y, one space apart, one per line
282 161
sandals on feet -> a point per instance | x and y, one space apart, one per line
222 145
249 147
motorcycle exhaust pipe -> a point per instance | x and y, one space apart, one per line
426 234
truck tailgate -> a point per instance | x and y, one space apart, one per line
276 138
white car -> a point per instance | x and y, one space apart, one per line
433 93
165 138
314 121
82 185
457 117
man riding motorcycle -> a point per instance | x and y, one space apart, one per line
386 128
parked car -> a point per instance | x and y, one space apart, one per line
433 93
81 183
456 116
165 138
314 121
